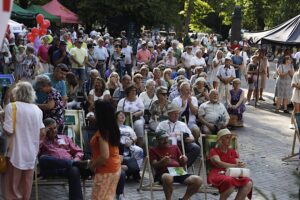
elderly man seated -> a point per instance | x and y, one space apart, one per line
59 156
212 114
189 108
175 128
164 156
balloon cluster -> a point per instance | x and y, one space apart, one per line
42 24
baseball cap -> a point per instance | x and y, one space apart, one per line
161 134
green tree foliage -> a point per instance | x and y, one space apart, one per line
148 12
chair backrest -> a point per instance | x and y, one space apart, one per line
128 119
210 141
297 121
74 121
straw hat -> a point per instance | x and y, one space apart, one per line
222 133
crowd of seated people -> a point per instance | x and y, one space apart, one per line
159 95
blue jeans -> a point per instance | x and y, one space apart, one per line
121 183
51 166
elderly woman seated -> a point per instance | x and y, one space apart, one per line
53 104
221 158
159 107
148 97
236 103
130 103
128 139
200 91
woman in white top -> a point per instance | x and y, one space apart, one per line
170 61
198 60
186 58
216 63
17 180
128 139
130 103
149 96
99 92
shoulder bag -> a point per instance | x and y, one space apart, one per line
3 156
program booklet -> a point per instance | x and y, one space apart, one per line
176 171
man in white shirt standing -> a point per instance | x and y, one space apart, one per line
175 128
225 74
101 55
127 51
189 108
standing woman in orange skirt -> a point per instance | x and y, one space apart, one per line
106 161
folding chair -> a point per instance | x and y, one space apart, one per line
150 138
74 121
208 142
128 119
296 119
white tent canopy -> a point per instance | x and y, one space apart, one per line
15 27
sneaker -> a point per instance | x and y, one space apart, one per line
291 126
247 103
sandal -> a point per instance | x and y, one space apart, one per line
262 99
286 111
276 111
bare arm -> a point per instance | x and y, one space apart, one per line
104 149
47 106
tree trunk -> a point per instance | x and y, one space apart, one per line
260 23
188 16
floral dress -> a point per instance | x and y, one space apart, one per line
235 97
57 112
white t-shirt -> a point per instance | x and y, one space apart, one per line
297 56
226 73
130 106
176 127
92 92
146 100
127 51
198 61
192 117
25 145
245 57
187 59
101 53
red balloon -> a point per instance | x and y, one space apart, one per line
42 31
39 18
47 23
35 31
30 37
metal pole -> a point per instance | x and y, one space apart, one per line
257 87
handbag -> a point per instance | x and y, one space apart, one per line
238 172
3 156
250 79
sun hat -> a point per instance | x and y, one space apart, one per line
172 108
236 80
161 90
222 133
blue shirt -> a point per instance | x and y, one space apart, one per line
60 86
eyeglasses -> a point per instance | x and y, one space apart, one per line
118 46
